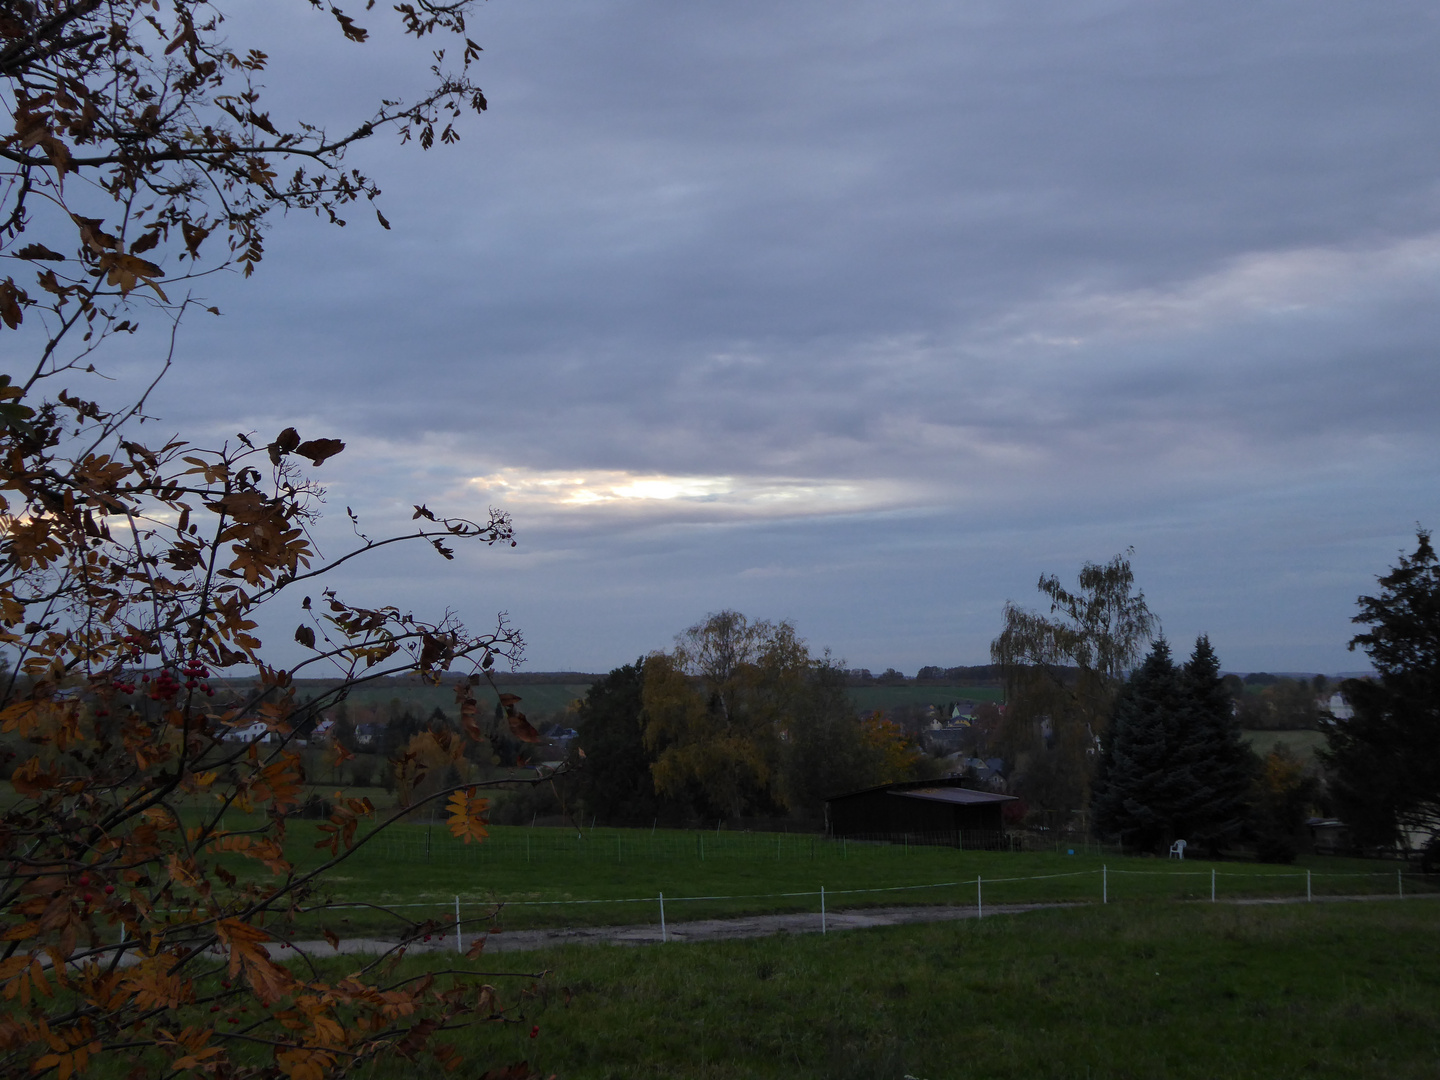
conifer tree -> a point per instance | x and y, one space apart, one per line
1136 790
1384 761
1174 765
1215 753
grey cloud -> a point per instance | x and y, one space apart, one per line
850 241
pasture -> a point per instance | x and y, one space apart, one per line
548 877
1136 989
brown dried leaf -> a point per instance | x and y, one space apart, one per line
318 450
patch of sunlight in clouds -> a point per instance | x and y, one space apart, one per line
571 491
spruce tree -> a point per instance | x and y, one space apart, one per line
1136 791
1219 763
1174 766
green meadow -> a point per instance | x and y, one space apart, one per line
525 878
1139 990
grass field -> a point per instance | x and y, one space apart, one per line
547 699
1302 743
537 699
1134 990
547 877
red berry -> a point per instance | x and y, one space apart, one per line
88 898
84 879
214 1008
145 678
109 889
534 1031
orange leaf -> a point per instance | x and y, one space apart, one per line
467 816
522 728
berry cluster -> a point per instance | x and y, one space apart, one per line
167 684
84 882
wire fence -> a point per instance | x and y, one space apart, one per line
1105 885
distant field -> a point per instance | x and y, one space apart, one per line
537 699
547 699
1302 743
870 698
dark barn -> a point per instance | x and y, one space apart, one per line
938 812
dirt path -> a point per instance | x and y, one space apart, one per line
751 926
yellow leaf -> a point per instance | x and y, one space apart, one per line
467 816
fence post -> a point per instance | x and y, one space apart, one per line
822 909
979 899
663 936
1104 884
1212 884
1308 895
459 942
1400 883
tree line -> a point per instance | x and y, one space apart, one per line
1153 748
737 720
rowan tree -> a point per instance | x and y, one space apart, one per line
132 577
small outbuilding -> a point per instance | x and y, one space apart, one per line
939 812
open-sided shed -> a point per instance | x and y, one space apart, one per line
920 812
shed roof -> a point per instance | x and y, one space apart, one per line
962 796
946 789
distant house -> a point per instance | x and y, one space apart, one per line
942 812
367 735
258 731
1339 708
984 768
946 738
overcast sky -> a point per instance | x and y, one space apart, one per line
867 315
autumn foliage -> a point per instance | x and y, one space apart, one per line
132 581
133 576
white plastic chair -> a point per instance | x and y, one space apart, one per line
1177 850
